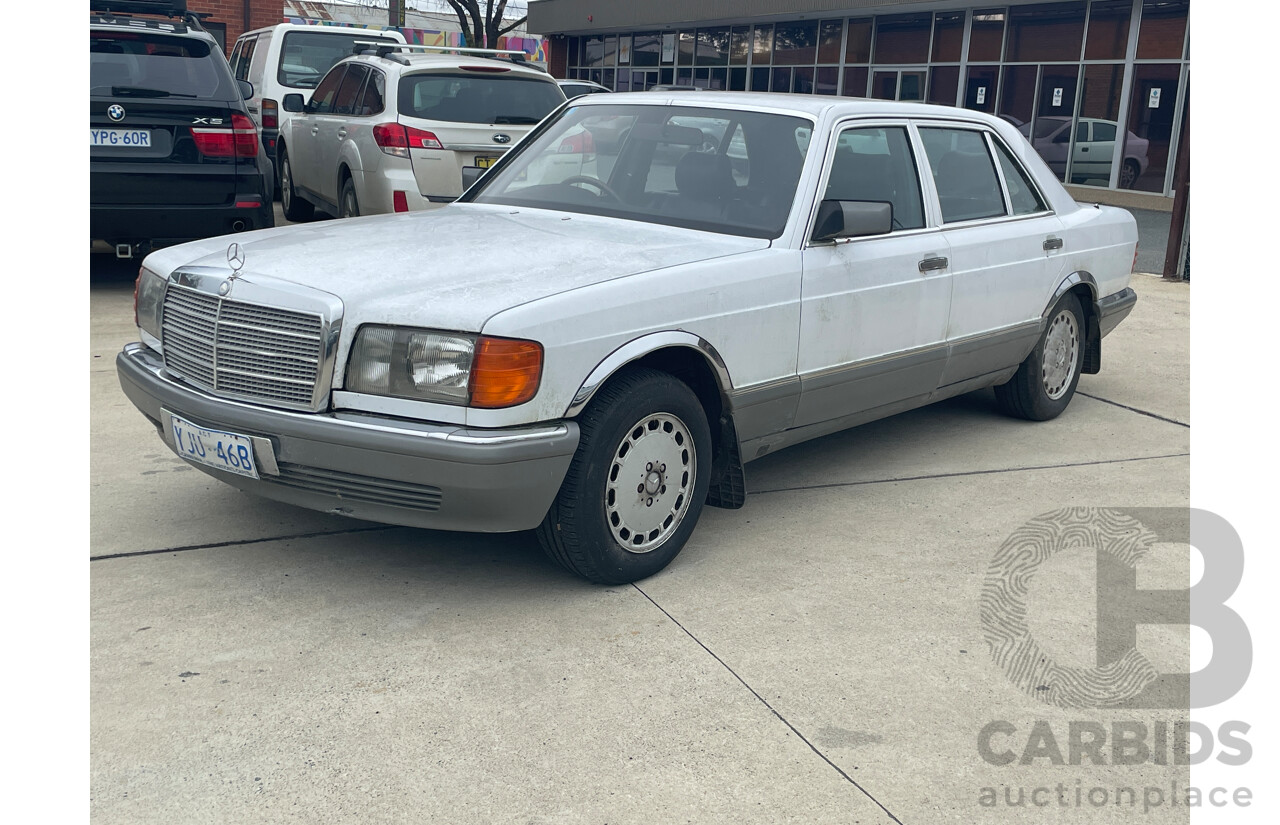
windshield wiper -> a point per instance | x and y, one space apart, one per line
142 91
514 119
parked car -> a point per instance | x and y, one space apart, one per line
393 130
292 58
173 153
596 359
1092 152
576 88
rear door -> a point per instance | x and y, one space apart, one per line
148 91
473 116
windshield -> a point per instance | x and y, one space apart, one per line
307 56
140 64
494 99
720 170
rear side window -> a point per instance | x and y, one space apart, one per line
142 64
349 91
477 99
963 173
306 56
241 56
876 164
374 94
1024 197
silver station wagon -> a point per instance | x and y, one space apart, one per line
597 355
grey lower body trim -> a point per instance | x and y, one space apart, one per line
1115 308
416 474
867 386
990 352
765 409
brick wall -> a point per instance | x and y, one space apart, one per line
231 13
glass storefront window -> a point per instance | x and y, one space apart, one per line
855 82
1040 33
795 44
1108 37
713 47
858 43
781 80
592 51
684 49
828 80
1163 29
762 48
719 78
646 48
943 83
885 86
1094 147
611 50
948 36
1017 94
760 79
980 88
803 80
903 38
829 34
1055 111
986 35
737 80
1151 102
740 45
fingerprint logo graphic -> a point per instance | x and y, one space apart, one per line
1003 610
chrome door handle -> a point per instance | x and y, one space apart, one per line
932 264
315 129
342 133
1051 244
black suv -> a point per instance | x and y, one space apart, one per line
173 154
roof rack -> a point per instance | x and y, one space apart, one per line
108 11
384 49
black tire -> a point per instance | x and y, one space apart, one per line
348 205
587 530
1042 387
295 208
1129 172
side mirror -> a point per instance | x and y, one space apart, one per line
852 219
470 174
246 89
292 102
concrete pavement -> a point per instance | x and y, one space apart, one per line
814 657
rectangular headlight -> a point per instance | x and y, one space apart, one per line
148 298
445 367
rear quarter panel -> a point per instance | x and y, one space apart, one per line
1101 240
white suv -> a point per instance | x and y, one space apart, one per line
291 57
392 131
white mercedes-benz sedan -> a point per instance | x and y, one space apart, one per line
595 357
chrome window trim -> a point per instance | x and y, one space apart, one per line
995 139
264 291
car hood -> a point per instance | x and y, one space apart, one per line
453 267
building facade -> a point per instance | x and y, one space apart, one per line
1099 87
228 19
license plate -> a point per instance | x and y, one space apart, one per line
136 138
214 448
485 162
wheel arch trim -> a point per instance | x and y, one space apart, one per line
638 348
1069 283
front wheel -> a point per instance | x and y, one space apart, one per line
636 486
1044 383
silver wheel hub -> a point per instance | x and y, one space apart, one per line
650 482
1061 354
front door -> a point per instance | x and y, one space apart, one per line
331 131
874 309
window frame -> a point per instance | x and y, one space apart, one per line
931 223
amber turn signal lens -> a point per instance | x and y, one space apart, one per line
505 372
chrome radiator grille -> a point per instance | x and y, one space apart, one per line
242 350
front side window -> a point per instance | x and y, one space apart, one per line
322 98
718 170
459 98
876 164
963 174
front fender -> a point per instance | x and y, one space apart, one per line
636 349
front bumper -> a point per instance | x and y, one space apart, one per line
438 476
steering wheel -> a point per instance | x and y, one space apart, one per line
590 181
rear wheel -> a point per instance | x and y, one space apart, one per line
1044 383
1129 173
348 206
636 486
295 208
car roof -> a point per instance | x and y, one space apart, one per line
357 30
406 62
804 105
